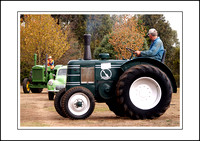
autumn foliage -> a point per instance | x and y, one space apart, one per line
128 33
41 34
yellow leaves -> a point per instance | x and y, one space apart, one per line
127 34
43 36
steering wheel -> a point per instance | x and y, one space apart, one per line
132 52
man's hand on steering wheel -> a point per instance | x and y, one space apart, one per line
138 53
132 52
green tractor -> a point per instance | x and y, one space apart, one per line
139 88
39 77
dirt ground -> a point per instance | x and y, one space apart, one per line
37 111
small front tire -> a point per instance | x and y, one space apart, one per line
78 103
57 102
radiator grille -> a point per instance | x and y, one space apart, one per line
37 75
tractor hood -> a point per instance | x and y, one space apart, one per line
38 67
90 63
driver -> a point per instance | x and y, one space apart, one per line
50 62
156 48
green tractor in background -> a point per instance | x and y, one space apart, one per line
139 88
39 77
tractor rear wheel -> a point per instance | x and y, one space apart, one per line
36 90
26 83
50 95
57 102
144 91
78 103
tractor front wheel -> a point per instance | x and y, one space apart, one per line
78 103
26 83
144 91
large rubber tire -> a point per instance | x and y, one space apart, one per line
78 103
26 83
148 85
36 90
115 107
50 95
57 102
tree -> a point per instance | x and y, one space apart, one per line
127 33
73 53
105 47
41 35
176 65
98 26
77 24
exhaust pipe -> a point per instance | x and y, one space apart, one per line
35 59
46 64
87 51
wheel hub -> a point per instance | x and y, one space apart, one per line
78 104
145 93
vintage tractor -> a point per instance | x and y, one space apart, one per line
140 88
39 77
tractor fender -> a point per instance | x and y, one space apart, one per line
153 62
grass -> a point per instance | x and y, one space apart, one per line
51 109
101 109
168 120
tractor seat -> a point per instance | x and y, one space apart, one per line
163 57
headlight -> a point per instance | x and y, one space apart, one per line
50 82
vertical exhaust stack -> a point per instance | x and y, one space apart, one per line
35 59
46 64
87 50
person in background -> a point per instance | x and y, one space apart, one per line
50 62
156 48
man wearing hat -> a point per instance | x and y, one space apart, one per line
50 62
156 48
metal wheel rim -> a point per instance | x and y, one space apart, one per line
72 104
145 93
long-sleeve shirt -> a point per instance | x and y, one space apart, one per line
155 51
